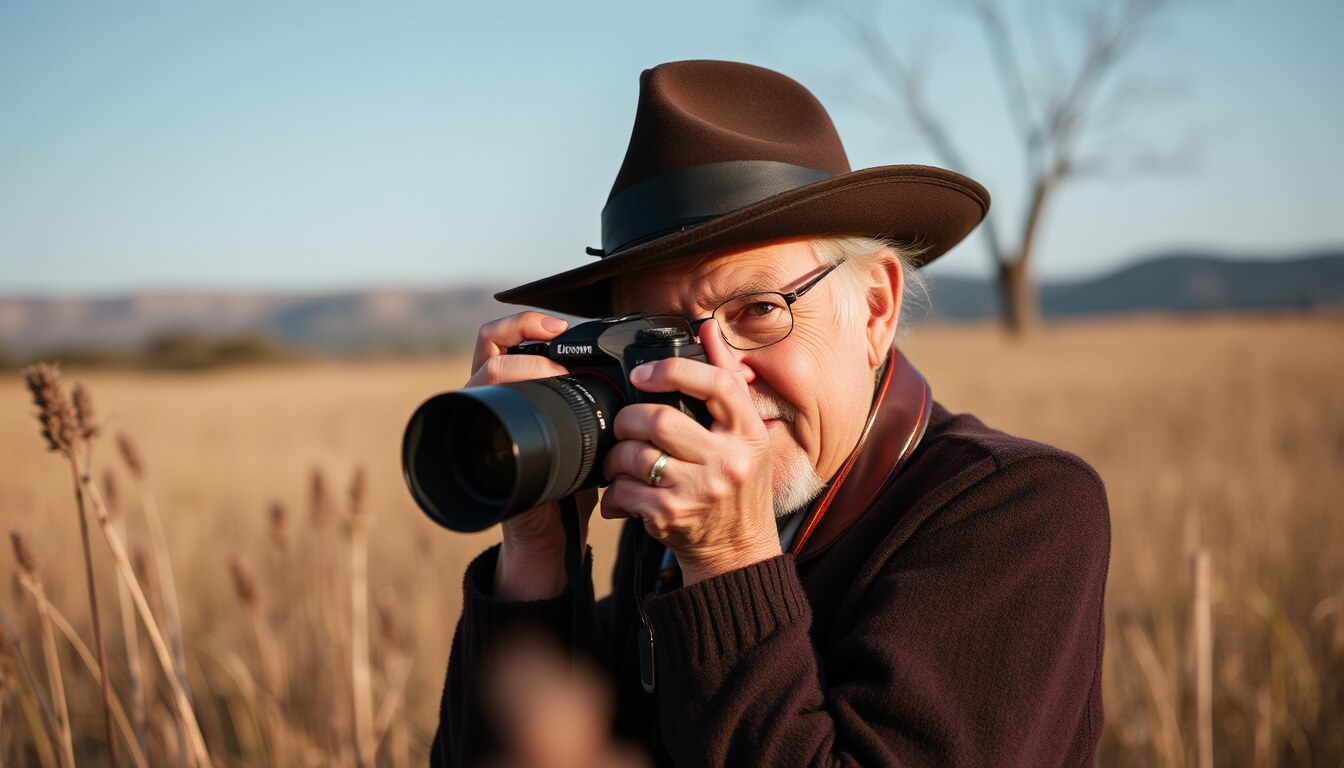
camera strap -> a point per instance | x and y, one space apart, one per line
569 517
902 408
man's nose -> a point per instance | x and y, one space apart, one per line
721 355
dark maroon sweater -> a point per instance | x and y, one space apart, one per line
957 621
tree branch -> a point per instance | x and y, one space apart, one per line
1008 67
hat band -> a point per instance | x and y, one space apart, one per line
677 200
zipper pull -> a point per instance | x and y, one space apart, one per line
646 666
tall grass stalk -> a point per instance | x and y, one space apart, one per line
68 426
397 665
325 627
365 742
268 655
29 579
1264 728
1202 611
6 734
130 632
1159 690
86 427
163 722
90 663
243 710
134 461
105 680
196 741
36 710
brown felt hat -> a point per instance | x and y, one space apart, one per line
727 155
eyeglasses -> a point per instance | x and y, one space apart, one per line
753 320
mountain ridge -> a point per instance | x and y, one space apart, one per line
1177 282
1181 283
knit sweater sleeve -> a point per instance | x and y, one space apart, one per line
463 737
977 642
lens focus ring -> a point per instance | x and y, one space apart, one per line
583 407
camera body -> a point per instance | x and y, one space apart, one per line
612 347
476 456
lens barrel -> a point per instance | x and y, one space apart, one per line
476 456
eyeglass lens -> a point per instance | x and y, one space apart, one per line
754 320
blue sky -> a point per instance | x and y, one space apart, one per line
317 145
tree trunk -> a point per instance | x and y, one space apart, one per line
1019 302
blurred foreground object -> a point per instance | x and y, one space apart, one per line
549 711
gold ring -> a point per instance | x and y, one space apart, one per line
656 471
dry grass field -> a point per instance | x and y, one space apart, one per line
1216 436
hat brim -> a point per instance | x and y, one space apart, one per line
930 209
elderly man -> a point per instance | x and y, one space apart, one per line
836 570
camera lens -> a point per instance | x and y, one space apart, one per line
476 456
486 470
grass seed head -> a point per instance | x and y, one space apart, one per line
85 422
279 527
358 491
244 582
53 407
319 501
130 454
111 494
23 553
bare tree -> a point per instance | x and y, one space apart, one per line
1065 108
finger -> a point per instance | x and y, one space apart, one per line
627 497
609 509
666 428
717 351
505 369
725 394
497 336
634 459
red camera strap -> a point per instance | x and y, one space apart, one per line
900 416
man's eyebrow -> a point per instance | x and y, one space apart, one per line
712 299
759 284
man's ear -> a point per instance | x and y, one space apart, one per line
885 285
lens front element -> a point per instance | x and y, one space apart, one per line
473 457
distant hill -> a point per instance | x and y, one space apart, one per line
331 322
1184 283
399 320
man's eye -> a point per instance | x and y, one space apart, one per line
754 313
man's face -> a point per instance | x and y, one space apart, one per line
814 388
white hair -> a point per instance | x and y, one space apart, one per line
857 257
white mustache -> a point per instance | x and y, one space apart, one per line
768 407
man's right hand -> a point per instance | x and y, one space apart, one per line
531 562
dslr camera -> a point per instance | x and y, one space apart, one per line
476 456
